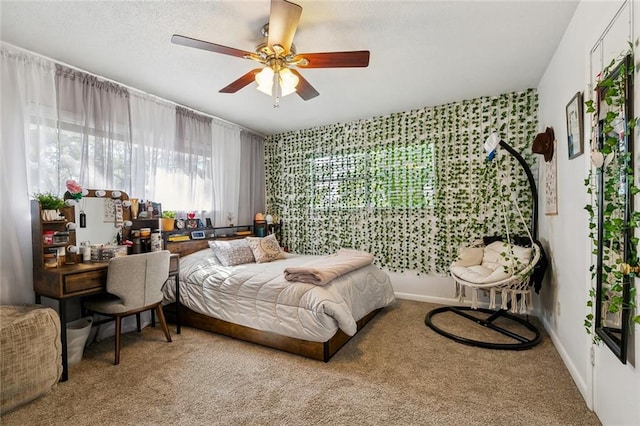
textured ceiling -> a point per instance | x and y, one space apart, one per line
423 53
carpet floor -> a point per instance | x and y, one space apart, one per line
395 371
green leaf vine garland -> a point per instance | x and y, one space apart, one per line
614 227
400 186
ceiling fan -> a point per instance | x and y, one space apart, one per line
277 54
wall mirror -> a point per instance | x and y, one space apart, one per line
105 214
615 247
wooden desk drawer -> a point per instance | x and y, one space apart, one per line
90 280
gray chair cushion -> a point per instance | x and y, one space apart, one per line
133 282
106 303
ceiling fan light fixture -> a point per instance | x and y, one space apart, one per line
276 52
286 79
265 80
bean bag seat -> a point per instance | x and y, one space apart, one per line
30 353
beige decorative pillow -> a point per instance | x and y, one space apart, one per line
233 252
469 256
265 249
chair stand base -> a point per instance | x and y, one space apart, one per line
520 342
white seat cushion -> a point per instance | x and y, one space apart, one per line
497 263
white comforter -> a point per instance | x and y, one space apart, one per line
257 295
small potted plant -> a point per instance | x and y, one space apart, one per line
168 220
50 205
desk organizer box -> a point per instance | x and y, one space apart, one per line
104 253
30 353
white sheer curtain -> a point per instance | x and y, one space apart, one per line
186 183
94 126
226 153
59 123
28 102
251 197
153 133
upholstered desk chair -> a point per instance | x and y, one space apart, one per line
134 285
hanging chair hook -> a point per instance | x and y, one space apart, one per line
490 145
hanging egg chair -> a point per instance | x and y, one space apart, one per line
504 266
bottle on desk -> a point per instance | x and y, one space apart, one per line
156 240
85 251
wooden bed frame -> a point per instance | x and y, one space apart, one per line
322 351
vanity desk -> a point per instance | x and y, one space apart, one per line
81 279
70 278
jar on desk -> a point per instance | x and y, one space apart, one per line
85 251
136 248
47 237
156 240
62 255
50 260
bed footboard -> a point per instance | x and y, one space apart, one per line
322 351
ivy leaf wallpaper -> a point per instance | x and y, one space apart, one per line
410 188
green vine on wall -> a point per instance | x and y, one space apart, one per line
618 185
399 186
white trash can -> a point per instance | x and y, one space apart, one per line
77 334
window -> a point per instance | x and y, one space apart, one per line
392 177
64 149
104 159
340 181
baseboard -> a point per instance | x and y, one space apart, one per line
429 299
568 362
447 301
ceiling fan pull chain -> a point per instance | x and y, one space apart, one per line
276 89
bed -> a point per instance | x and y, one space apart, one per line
254 302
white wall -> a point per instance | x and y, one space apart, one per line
562 303
614 391
434 289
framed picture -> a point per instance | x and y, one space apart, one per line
156 209
550 187
575 128
193 223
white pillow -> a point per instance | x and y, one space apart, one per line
513 263
233 252
265 249
214 259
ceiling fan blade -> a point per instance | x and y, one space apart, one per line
243 81
212 47
304 89
356 58
283 22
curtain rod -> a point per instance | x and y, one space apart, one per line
132 88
